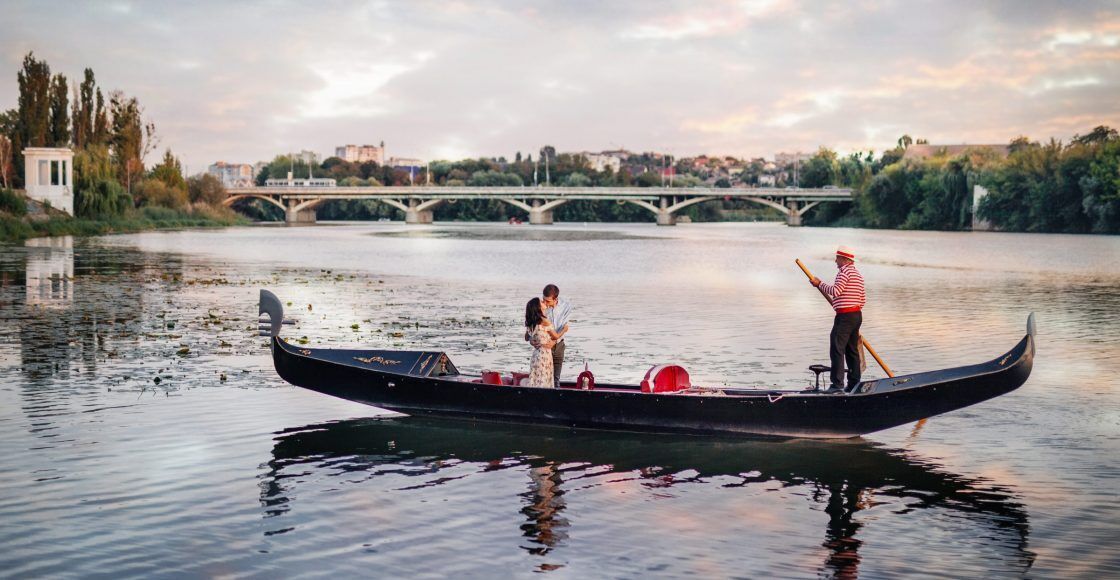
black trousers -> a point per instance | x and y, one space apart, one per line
844 348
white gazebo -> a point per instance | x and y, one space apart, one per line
49 176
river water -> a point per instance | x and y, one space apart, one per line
143 431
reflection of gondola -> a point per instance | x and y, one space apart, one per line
844 476
427 383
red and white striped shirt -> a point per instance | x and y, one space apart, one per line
846 292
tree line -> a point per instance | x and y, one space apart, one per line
110 138
1069 187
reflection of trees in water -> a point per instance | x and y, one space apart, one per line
70 306
845 477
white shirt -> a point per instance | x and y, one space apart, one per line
559 315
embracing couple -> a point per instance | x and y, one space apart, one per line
546 323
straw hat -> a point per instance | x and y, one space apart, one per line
846 252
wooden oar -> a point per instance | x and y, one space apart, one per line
862 340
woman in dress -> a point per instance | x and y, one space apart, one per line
542 336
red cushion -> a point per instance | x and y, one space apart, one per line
665 378
491 377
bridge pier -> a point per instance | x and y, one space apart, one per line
665 217
416 216
293 215
793 216
539 216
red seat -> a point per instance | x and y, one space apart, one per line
665 378
492 377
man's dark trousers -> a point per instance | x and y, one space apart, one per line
557 361
845 347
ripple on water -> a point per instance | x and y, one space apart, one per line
218 468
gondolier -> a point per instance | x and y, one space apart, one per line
848 297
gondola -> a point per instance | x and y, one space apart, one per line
427 383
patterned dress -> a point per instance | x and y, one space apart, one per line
540 367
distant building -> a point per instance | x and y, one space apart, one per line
361 153
601 161
233 174
767 180
622 154
308 157
405 163
927 151
790 158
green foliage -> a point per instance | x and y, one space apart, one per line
280 165
153 192
491 178
206 189
12 203
148 218
576 180
820 170
97 194
82 119
129 136
169 171
102 199
59 115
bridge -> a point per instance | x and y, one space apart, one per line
419 202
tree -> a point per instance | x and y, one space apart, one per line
819 170
1020 143
59 113
905 141
6 173
169 171
33 118
131 138
97 194
100 122
206 189
576 180
153 192
82 119
1100 134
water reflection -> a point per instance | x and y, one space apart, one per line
50 271
843 479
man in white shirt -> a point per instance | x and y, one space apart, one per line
559 312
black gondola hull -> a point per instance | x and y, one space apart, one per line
876 406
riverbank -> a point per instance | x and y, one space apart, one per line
14 228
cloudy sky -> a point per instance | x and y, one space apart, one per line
247 80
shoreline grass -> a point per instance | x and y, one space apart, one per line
15 228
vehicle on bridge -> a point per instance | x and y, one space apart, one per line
312 182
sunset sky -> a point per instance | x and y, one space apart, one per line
244 81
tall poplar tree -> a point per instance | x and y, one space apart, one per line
83 111
59 115
100 122
33 118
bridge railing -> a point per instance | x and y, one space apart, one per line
478 192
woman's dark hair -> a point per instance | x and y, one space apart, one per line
533 314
